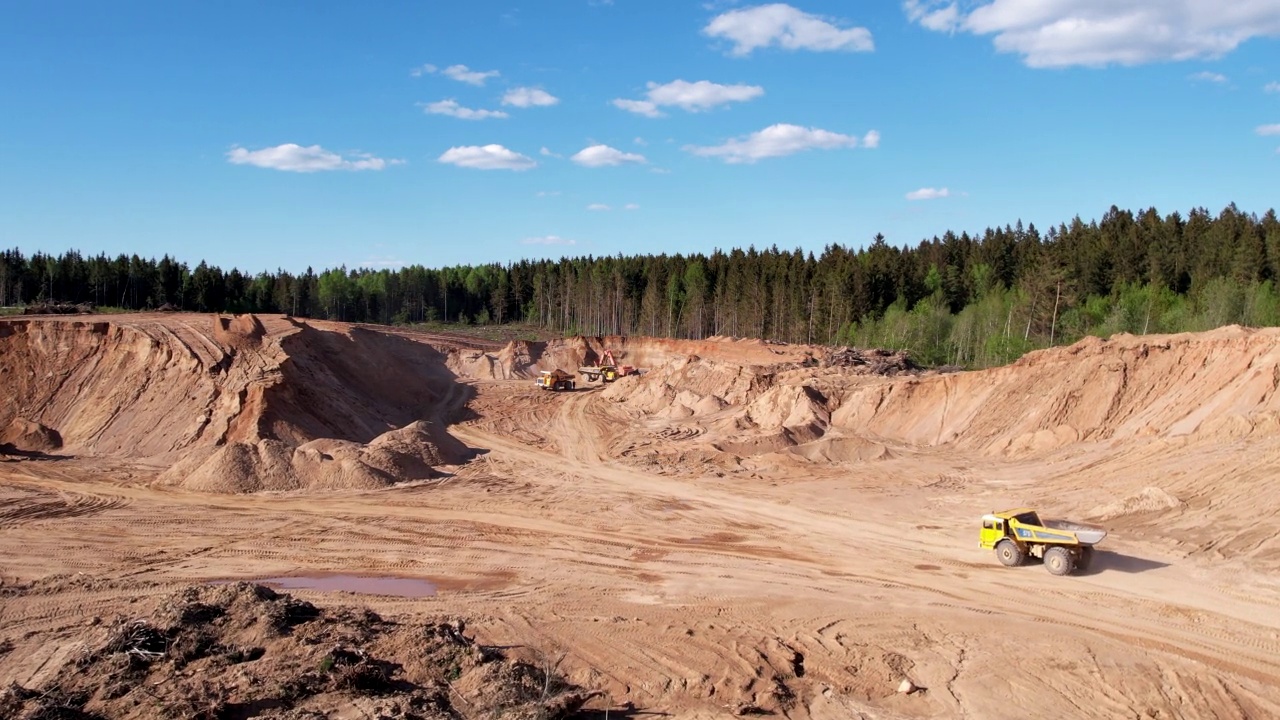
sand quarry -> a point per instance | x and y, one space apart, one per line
746 528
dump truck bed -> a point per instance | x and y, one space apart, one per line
1060 532
1086 534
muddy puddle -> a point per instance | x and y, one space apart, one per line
363 584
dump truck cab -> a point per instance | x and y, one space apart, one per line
1018 534
996 526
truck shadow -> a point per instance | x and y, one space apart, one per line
1107 561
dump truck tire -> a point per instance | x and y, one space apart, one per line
1086 559
1058 561
1009 554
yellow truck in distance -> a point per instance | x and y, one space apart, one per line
1019 534
555 380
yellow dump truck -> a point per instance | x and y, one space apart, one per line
555 380
607 373
1019 534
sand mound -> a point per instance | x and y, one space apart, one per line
838 449
1147 500
800 410
421 442
698 381
410 453
25 436
232 404
242 467
239 331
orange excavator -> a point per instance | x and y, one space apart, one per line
608 370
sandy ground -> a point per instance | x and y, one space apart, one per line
679 578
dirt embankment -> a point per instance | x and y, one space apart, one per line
522 359
241 404
1218 386
231 404
1221 385
248 403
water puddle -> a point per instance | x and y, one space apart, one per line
364 584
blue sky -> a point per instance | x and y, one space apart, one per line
296 133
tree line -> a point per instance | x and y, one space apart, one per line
969 300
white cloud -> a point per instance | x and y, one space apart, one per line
1096 33
598 207
941 19
640 141
785 26
1206 76
689 96
776 141
464 74
547 193
487 157
461 73
639 107
603 155
546 152
928 194
296 158
524 97
701 95
1271 87
871 140
631 206
549 240
1265 130
453 109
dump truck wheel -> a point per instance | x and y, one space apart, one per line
1058 561
1009 554
1085 559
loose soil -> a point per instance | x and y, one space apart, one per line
744 528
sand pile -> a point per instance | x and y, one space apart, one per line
239 331
409 453
759 398
690 384
232 404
